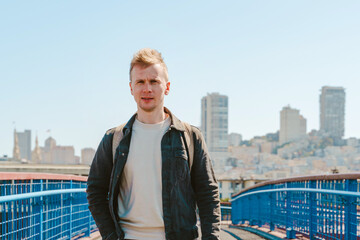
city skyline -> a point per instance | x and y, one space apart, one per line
214 121
70 74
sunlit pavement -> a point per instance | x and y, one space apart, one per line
240 234
224 235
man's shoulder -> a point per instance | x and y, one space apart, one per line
113 130
194 129
110 131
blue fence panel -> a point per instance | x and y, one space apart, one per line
44 209
318 209
225 212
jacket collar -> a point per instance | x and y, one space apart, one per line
175 122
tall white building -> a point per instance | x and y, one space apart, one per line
214 121
24 141
292 125
332 111
214 126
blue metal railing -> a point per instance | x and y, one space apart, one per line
225 208
44 209
318 207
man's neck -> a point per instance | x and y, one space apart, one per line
151 117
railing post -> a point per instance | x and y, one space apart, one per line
252 210
258 197
11 212
241 215
312 211
240 205
290 233
62 210
272 205
87 233
41 210
350 211
70 221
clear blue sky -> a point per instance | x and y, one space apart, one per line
64 64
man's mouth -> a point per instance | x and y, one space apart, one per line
147 99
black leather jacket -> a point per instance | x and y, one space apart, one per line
181 192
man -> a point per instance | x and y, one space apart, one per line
148 188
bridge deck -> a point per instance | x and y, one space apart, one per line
225 234
237 234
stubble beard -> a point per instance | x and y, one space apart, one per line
149 109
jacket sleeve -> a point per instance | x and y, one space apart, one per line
98 188
206 189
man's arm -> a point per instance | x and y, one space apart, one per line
206 189
98 188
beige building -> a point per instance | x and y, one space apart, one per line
63 155
292 125
245 153
233 181
55 154
87 155
46 156
354 142
234 139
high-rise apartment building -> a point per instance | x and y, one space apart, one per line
292 125
24 141
332 111
214 121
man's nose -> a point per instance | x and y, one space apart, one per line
147 87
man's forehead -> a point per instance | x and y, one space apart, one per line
147 71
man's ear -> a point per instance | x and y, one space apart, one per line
131 90
167 89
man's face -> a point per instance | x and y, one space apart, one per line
148 86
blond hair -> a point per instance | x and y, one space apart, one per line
146 57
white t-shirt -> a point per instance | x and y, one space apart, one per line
140 198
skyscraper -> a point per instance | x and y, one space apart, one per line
332 111
214 121
292 125
24 139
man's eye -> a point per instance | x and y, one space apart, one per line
153 81
140 82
